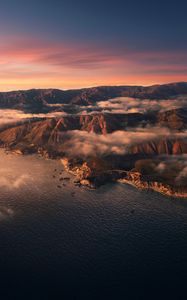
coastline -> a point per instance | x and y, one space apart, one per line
126 177
159 187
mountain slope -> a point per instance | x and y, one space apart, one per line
52 133
37 99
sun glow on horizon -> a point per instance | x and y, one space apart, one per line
32 63
26 84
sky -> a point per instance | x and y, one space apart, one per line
77 43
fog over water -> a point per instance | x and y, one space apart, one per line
86 244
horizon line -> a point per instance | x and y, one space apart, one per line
96 86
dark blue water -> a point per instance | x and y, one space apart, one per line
112 243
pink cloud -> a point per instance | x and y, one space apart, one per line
41 61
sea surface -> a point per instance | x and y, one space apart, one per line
60 241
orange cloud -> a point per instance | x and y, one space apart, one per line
28 63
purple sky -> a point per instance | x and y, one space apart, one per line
70 44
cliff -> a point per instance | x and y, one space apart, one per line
136 179
50 131
168 146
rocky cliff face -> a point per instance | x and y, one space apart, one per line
50 133
162 146
90 176
173 119
50 130
92 173
136 179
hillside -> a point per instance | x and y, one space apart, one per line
37 99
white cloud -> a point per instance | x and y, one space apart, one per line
12 182
5 212
8 116
84 143
132 105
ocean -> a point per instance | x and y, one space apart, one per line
60 241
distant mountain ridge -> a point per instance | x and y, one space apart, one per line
38 98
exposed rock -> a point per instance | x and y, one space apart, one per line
136 179
173 119
170 146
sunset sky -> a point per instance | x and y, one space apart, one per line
71 44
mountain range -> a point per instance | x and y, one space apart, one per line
145 148
38 98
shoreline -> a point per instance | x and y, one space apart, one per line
130 179
156 187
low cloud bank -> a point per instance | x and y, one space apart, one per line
84 144
5 212
8 116
13 183
134 105
183 174
116 105
176 164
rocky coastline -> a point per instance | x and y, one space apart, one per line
135 180
85 177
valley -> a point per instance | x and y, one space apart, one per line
122 139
